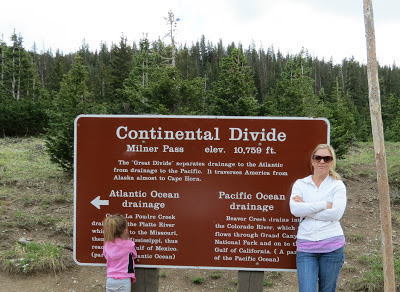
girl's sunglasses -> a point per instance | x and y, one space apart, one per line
318 158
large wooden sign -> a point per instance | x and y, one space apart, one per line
205 192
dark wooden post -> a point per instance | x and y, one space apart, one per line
146 280
250 281
379 146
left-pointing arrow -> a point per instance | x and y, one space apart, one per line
97 202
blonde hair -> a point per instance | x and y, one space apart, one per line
332 171
114 227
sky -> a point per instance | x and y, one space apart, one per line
327 29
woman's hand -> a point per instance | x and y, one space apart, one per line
329 205
298 199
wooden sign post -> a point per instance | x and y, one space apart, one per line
379 146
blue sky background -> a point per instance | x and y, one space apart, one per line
326 28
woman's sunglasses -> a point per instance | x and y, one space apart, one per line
318 158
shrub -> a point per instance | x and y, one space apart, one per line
22 117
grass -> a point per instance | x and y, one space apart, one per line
216 275
25 161
360 162
268 283
28 221
270 277
28 175
197 280
65 226
31 258
372 278
32 189
396 217
350 268
351 237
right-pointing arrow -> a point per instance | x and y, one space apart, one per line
97 202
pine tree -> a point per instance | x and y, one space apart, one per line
390 109
18 76
59 66
343 125
234 92
391 117
169 93
160 88
295 88
139 79
73 99
22 107
101 86
121 65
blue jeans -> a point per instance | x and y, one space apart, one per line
319 269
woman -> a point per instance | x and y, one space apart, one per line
319 200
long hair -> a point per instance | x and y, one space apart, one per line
332 171
114 226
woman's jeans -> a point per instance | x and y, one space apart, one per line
319 268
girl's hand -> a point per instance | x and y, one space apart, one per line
329 205
298 199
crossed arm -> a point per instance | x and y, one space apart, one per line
320 210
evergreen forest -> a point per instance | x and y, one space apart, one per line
42 93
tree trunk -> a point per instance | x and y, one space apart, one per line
379 146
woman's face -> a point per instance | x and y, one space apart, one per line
322 161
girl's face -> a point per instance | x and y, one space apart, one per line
322 161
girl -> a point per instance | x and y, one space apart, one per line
120 253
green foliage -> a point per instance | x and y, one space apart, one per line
360 161
31 258
197 280
372 279
203 78
22 111
30 183
268 283
72 100
165 92
163 274
65 226
215 275
29 221
391 117
18 73
343 125
234 92
270 278
120 66
295 89
351 237
14 155
22 117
